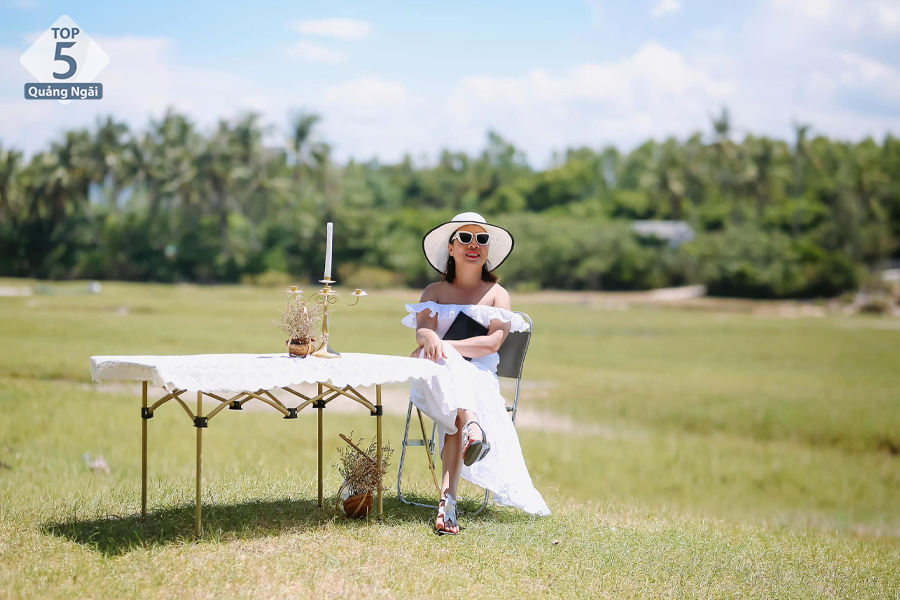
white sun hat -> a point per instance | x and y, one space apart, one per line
436 241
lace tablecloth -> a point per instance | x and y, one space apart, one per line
219 373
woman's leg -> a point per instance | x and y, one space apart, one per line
463 416
451 458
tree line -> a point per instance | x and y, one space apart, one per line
772 218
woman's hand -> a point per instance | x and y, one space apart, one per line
415 353
432 345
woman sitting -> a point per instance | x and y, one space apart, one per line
477 437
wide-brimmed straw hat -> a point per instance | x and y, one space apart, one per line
436 241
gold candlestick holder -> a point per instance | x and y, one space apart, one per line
326 297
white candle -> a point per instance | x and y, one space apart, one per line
328 251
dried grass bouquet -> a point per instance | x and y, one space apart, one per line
300 319
359 468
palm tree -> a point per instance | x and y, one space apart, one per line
313 172
722 125
696 169
258 175
55 187
65 177
869 185
801 160
724 160
668 176
10 162
107 154
216 173
138 169
308 155
172 148
611 165
759 181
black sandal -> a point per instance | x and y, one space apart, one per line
474 450
447 509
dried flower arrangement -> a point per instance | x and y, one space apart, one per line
299 321
361 474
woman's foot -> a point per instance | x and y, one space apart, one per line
475 444
446 522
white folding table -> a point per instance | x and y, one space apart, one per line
234 379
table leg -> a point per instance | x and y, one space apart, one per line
319 407
199 448
378 445
144 455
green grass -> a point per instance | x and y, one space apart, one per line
689 454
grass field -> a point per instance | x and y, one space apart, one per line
684 454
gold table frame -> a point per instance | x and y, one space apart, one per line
325 393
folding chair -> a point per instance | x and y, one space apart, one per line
512 359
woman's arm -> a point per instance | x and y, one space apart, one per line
482 345
426 323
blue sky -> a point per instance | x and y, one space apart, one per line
390 78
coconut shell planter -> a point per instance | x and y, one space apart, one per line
301 348
358 506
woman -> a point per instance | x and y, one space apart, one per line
478 439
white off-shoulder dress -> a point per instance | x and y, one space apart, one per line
473 385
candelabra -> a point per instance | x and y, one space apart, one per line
326 297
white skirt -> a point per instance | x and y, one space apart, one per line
474 386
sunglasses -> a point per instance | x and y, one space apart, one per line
465 237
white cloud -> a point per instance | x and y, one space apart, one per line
654 74
315 53
840 124
819 86
822 63
341 29
888 14
373 117
856 17
654 92
664 7
366 97
862 74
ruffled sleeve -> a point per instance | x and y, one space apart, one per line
441 310
482 314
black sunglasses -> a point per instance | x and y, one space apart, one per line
465 237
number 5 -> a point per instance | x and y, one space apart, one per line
68 59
